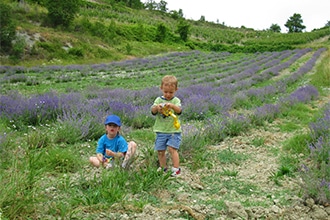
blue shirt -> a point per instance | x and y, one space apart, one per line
117 144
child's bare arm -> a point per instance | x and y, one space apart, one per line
156 108
114 154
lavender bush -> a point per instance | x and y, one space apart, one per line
20 111
265 113
316 175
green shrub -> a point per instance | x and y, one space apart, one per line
62 160
183 29
77 52
18 48
193 151
38 139
297 144
161 33
139 31
128 48
280 173
62 13
48 46
83 25
99 29
65 133
126 32
7 27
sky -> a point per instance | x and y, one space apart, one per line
256 14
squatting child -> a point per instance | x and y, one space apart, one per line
112 145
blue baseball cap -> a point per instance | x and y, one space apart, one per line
112 119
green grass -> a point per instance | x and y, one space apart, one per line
280 173
322 77
258 141
228 156
297 144
296 117
289 126
230 173
145 136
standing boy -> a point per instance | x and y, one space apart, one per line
167 135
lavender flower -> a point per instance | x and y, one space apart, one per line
301 95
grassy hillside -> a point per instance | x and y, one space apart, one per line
104 32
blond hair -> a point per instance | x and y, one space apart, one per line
169 80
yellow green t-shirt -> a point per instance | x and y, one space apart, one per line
164 124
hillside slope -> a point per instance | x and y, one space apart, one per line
104 33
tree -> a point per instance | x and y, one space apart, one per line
62 12
176 14
7 28
162 6
180 13
327 24
202 19
295 24
183 29
150 5
275 28
136 4
161 33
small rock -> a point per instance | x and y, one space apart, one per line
327 210
310 202
236 210
196 186
183 197
148 209
175 212
276 209
320 214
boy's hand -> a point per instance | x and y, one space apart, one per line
163 108
109 152
160 108
113 154
170 106
167 105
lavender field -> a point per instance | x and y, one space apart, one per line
51 118
250 88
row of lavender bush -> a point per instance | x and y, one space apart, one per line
200 100
217 65
316 175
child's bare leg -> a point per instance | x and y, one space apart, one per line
130 152
162 158
94 161
175 156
